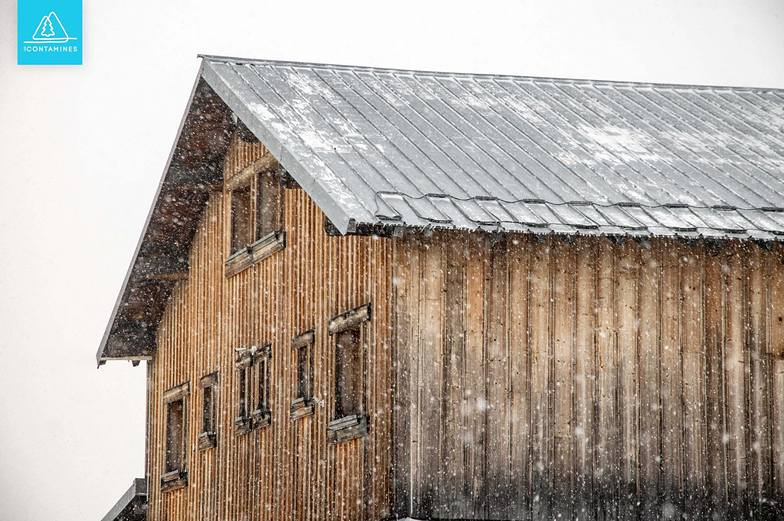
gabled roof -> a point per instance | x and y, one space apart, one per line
379 148
411 148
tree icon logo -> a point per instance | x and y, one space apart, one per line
47 30
51 30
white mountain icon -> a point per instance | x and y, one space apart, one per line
51 30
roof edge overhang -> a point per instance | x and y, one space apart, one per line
131 505
193 167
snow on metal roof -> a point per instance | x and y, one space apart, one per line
469 151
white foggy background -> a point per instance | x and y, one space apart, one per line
82 149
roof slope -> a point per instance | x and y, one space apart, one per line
395 147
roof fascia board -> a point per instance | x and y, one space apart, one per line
102 347
138 489
333 211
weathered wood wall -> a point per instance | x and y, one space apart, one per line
288 470
532 378
540 379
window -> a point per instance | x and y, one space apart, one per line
240 219
175 433
175 473
302 405
253 387
260 416
267 204
242 421
256 195
350 420
348 372
208 436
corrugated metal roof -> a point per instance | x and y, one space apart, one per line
431 149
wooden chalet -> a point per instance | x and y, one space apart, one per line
366 294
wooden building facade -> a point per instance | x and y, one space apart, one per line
286 469
306 363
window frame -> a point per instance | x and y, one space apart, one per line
209 433
242 244
261 358
244 364
303 404
268 197
347 425
173 478
261 177
253 373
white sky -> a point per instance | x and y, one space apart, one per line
82 149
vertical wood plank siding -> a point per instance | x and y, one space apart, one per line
507 377
288 470
583 379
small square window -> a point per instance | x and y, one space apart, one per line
175 405
208 434
302 404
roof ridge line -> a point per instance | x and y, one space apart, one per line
573 81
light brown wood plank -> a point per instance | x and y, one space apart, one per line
714 306
562 338
671 376
541 417
584 377
694 382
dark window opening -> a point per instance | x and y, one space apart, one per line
262 370
208 410
207 436
242 404
175 406
260 364
348 373
304 373
267 205
240 218
175 433
350 419
302 404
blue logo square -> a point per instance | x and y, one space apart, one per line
49 32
